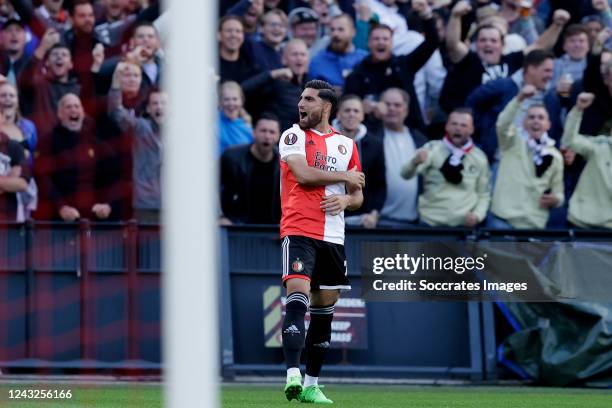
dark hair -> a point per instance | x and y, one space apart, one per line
143 24
574 29
326 92
73 5
380 27
345 16
349 97
536 57
489 27
57 46
227 18
267 116
463 110
405 95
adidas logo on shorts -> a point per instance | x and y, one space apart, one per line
292 330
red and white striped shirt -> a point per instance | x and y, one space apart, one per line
301 212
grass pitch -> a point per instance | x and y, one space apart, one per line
346 396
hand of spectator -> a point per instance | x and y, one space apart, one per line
98 58
102 211
600 5
564 86
584 100
568 156
600 41
422 8
284 74
462 8
527 92
355 179
49 39
379 109
420 156
548 200
370 220
362 10
224 221
137 56
471 219
335 203
119 70
68 213
561 17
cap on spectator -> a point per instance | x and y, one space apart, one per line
302 15
590 18
12 21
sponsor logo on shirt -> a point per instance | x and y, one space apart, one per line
325 163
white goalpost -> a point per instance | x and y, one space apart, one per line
189 278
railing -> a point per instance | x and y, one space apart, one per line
87 296
80 296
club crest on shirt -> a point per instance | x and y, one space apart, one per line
342 149
290 139
297 265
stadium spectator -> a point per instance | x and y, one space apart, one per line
50 14
304 25
147 147
277 90
235 62
593 25
589 206
520 19
13 58
489 99
382 70
250 11
74 181
22 131
471 69
602 7
14 176
389 14
349 122
118 22
597 79
268 50
400 144
530 179
455 176
14 125
143 49
250 177
44 80
234 121
570 66
336 62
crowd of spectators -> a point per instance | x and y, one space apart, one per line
80 110
490 113
464 113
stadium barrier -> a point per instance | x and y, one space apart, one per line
86 296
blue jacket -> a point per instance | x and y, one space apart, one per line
333 67
488 100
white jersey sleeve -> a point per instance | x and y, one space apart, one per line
292 141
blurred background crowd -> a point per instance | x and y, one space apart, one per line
465 113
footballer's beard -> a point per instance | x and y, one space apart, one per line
311 120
